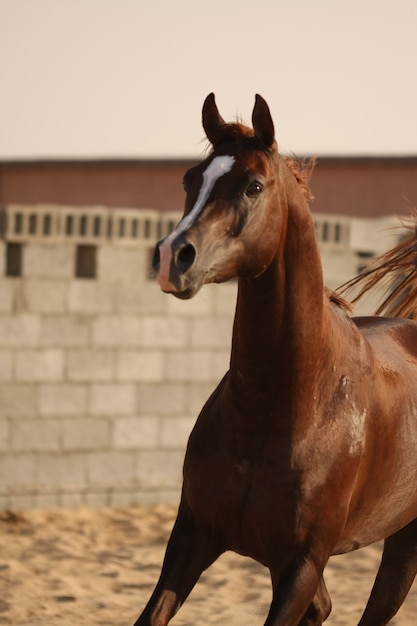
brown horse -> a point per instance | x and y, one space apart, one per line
308 446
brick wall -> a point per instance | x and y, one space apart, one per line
101 379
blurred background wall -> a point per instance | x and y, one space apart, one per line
101 375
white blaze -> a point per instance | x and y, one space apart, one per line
218 167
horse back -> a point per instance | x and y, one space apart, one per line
386 334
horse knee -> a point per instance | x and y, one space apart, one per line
320 608
316 614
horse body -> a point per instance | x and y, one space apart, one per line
308 446
262 451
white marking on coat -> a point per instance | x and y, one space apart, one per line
219 166
357 429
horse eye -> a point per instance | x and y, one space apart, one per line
254 189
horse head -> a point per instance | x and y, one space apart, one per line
231 218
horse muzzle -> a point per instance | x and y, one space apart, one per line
172 261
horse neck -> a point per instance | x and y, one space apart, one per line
280 315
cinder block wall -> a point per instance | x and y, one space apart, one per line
101 380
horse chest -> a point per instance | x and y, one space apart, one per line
245 496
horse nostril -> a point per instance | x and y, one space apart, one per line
156 259
185 257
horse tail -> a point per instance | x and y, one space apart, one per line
395 272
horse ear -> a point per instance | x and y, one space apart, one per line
262 122
212 120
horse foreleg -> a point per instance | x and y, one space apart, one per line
395 576
319 610
298 590
189 552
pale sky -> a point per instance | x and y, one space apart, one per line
127 78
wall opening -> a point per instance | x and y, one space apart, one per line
14 258
85 261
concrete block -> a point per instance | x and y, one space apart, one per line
18 400
162 398
152 496
58 471
122 265
46 500
373 235
211 332
225 298
65 330
175 431
221 363
136 432
140 298
86 433
45 296
63 399
39 365
111 469
143 366
125 498
21 502
90 365
35 435
52 261
17 471
48 261
159 468
186 365
8 289
5 503
165 332
6 364
117 330
4 434
159 496
113 399
91 297
144 497
71 500
201 304
170 496
338 267
97 499
19 331
197 396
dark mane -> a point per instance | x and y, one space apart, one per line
338 300
302 169
395 272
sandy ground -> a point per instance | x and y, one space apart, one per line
88 567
